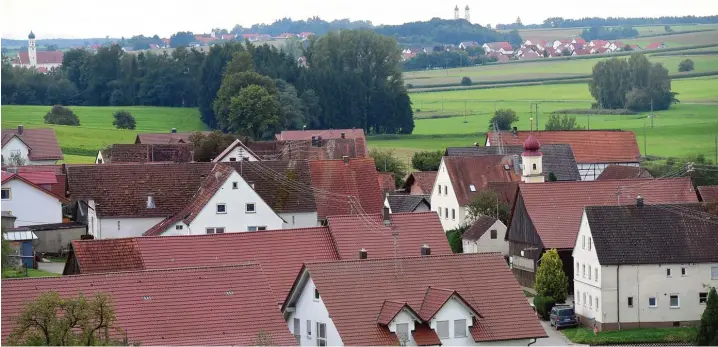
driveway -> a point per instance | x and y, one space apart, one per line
51 267
555 338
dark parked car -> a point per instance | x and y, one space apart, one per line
563 316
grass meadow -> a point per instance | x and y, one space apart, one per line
568 33
80 144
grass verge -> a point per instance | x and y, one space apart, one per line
13 273
640 335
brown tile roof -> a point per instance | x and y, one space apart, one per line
43 57
57 169
615 172
281 253
478 171
189 306
653 234
424 179
589 146
165 138
359 144
122 189
143 153
42 142
708 193
480 226
209 187
507 191
353 233
336 183
424 335
485 283
386 182
110 255
303 149
555 208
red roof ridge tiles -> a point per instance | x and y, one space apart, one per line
334 180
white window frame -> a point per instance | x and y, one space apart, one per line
590 301
402 339
446 190
670 298
584 299
246 207
493 234
597 304
297 326
321 338
440 189
583 270
215 230
589 272
589 243
179 227
595 274
655 302
9 194
463 330
438 331
256 228
446 213
714 272
224 205
453 214
578 269
583 241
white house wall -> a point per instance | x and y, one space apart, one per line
590 171
238 153
446 200
14 146
585 284
453 310
315 311
401 318
299 220
31 205
112 228
485 244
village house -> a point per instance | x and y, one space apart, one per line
42 61
315 149
468 44
356 134
151 307
593 149
30 146
120 200
548 215
656 45
486 235
387 184
557 158
164 138
28 196
345 186
499 47
616 172
640 266
500 57
708 193
410 301
527 53
401 234
146 153
420 182
400 203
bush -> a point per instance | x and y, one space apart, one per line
409 86
386 161
543 305
61 115
454 238
686 65
123 120
465 81
503 119
427 160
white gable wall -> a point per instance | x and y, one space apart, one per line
590 171
586 285
485 244
116 227
30 204
15 146
401 318
308 309
446 201
453 310
299 220
239 153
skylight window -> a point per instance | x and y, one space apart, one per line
472 187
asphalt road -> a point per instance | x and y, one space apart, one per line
51 267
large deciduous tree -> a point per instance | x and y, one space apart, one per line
488 203
427 160
253 112
503 119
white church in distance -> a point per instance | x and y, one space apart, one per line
42 61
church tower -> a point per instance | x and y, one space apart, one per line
466 14
31 49
532 161
456 12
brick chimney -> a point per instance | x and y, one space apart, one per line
20 129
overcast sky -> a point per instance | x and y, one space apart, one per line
86 18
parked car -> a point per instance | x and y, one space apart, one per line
563 316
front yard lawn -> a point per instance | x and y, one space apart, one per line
640 335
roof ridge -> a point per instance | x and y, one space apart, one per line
405 257
247 264
228 233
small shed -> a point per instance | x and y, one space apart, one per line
22 248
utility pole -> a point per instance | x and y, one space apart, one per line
465 114
537 121
652 115
531 115
716 149
645 147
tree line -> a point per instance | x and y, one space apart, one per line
348 79
449 31
560 22
603 33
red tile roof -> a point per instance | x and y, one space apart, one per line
425 336
190 306
39 177
42 142
589 146
164 138
357 134
7 176
434 299
580 40
498 45
478 171
556 208
342 189
144 153
389 310
615 172
654 45
485 283
353 233
708 193
59 188
43 57
57 169
303 149
279 252
386 182
423 179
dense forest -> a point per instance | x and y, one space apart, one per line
559 22
603 33
351 79
286 25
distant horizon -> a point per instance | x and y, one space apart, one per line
80 19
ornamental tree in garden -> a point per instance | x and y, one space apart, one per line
551 281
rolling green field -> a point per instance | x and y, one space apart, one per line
541 69
568 33
687 128
678 40
80 144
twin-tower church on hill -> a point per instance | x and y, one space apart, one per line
466 13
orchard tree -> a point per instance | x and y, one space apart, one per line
686 65
427 160
386 161
123 120
208 147
565 122
61 115
551 281
488 203
503 118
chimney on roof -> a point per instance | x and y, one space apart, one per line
425 250
343 135
346 159
20 129
314 141
515 131
174 130
387 221
319 141
150 201
639 201
362 253
87 237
